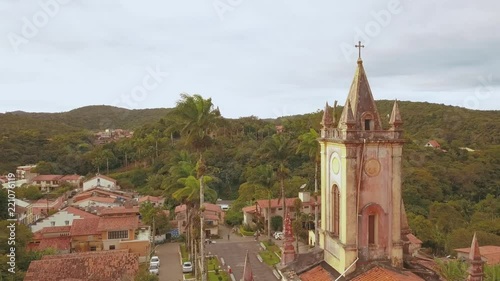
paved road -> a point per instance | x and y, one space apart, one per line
170 268
233 251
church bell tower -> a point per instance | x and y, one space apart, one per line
361 182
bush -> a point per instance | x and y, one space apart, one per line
245 232
276 223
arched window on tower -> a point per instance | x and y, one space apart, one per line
368 123
335 210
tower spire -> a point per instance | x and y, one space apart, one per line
327 120
476 263
395 121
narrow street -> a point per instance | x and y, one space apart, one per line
170 267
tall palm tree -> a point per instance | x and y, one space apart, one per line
194 118
308 144
264 175
278 149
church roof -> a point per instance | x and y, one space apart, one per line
361 100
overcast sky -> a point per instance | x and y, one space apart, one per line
253 57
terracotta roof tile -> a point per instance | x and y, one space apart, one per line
71 178
150 199
55 229
87 226
118 223
47 178
102 177
382 274
119 210
92 266
57 243
317 273
490 253
77 212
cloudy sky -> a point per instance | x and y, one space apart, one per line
253 57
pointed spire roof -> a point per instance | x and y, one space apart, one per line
361 100
347 118
247 270
474 254
327 120
395 119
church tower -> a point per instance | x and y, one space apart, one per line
361 182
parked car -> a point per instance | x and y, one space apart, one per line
278 235
154 269
187 267
155 260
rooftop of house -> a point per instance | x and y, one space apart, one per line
490 253
102 177
100 191
55 229
80 213
62 243
118 223
101 265
433 143
120 210
47 177
290 202
86 226
71 178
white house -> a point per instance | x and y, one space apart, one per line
62 218
101 182
98 201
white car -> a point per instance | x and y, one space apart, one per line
278 235
154 269
155 260
187 267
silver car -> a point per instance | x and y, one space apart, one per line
154 269
187 267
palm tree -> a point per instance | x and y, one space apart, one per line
309 145
264 176
278 149
194 118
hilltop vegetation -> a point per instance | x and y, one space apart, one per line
447 194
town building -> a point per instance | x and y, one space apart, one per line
213 217
100 181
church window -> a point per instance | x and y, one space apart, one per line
368 122
335 210
371 229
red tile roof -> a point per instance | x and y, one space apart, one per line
382 274
77 212
114 265
121 210
413 239
47 178
208 207
433 143
100 199
277 203
58 243
317 273
55 229
118 223
87 226
490 253
71 178
249 209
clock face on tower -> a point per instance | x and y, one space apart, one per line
335 165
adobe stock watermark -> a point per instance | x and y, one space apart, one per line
372 28
31 27
483 91
222 7
153 78
12 220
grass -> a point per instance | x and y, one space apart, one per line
269 257
184 253
212 263
214 277
272 248
188 276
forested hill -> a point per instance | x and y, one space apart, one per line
93 118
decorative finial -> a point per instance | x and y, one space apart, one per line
359 46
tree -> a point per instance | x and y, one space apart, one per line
277 223
194 118
278 149
264 175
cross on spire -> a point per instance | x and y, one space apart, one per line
359 46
